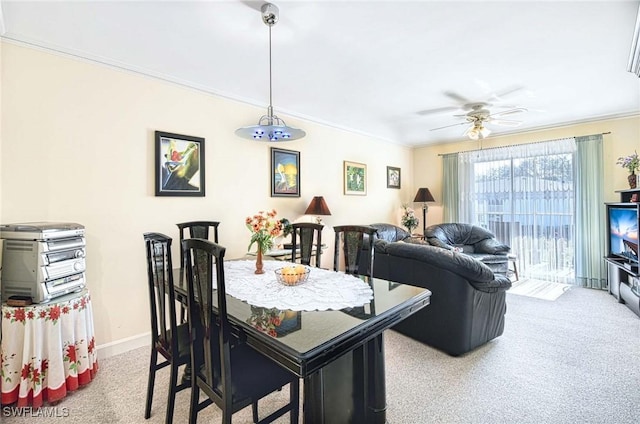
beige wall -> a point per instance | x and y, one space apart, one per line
77 145
623 140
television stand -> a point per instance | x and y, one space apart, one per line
624 283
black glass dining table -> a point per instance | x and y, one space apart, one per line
339 354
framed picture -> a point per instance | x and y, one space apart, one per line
393 177
355 178
179 165
285 173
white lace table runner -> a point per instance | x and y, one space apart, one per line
323 290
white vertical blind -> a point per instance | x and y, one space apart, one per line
525 194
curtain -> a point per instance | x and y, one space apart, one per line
450 187
590 269
525 195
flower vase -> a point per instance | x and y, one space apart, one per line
259 269
632 180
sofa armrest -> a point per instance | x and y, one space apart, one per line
499 283
491 246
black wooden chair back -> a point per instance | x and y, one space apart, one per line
168 339
306 236
196 229
231 373
356 244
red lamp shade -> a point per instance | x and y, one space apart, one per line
317 207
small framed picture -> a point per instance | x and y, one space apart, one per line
355 178
179 165
285 173
393 177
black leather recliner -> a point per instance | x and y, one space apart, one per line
468 301
473 240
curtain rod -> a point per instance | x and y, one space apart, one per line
522 144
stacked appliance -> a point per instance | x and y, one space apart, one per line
42 260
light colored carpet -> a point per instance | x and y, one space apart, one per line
539 289
571 361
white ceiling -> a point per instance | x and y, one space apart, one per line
365 66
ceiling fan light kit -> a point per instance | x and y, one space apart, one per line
270 127
477 132
479 115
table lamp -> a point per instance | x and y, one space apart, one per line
424 195
317 207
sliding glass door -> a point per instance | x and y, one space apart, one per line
525 195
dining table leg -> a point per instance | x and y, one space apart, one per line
348 389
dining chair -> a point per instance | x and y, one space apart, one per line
168 339
303 235
232 375
197 229
356 243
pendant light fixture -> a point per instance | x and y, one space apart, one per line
270 127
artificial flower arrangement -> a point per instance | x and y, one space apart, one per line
409 218
265 227
631 162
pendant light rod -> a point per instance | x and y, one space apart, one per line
270 78
270 17
270 127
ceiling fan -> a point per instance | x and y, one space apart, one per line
479 115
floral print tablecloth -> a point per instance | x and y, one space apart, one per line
46 350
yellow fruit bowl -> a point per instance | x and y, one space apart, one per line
292 275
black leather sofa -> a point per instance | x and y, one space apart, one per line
468 300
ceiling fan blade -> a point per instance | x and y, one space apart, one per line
457 97
504 122
509 112
449 126
500 95
437 110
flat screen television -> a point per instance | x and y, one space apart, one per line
623 220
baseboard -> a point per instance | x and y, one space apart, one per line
123 345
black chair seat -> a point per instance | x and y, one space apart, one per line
254 375
184 343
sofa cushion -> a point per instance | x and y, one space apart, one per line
489 258
415 240
464 248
